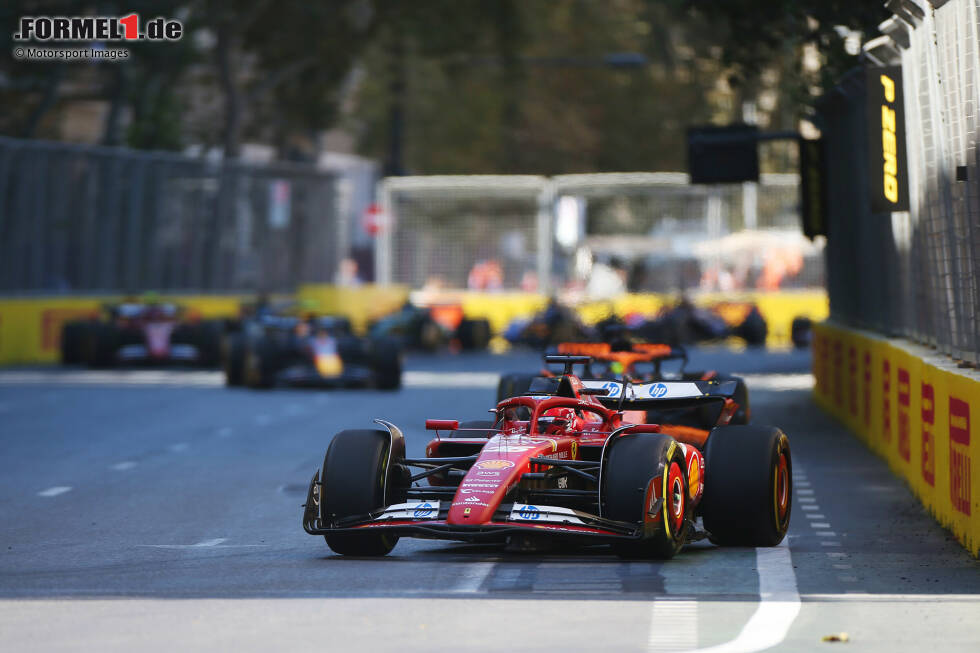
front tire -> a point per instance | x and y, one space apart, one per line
634 461
354 480
748 486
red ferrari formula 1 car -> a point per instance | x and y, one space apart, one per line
562 466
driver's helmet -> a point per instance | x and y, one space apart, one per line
556 420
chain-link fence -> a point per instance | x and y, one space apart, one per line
88 219
913 273
481 231
541 233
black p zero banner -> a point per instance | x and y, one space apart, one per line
886 140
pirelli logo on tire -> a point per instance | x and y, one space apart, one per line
960 476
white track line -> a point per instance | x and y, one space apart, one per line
673 625
418 379
124 465
54 491
779 604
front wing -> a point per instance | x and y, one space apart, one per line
427 519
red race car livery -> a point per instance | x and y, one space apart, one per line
563 464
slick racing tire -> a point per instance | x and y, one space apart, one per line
474 335
234 359
801 332
102 342
748 486
354 475
387 364
753 329
485 425
206 338
260 363
72 347
634 460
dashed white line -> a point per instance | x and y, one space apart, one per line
826 534
804 492
829 543
815 515
54 491
810 507
180 447
837 555
124 465
847 579
224 432
807 500
820 524
840 566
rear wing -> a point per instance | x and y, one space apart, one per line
661 394
653 353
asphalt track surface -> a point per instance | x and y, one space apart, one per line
161 511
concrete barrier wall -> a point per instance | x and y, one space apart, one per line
914 408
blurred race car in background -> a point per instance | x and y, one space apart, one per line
680 324
687 323
563 465
635 362
291 346
142 332
556 323
430 328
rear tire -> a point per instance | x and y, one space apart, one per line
72 342
634 460
387 364
234 359
103 340
748 486
260 363
354 476
474 335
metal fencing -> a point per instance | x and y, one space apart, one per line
544 234
89 219
915 273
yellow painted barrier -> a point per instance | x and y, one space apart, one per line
30 329
916 409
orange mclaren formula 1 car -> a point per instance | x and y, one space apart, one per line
637 362
562 465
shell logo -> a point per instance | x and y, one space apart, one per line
693 477
494 464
